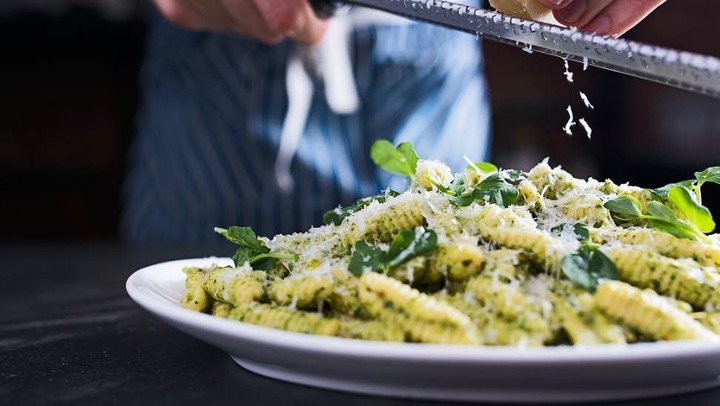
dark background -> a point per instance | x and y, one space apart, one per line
68 96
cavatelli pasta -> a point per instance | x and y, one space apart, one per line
235 285
343 298
280 317
682 279
381 221
458 260
424 318
510 302
663 243
221 309
195 296
649 313
494 330
301 291
504 258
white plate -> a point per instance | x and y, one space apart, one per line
427 371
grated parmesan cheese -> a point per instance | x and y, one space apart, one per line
585 100
586 126
570 123
568 74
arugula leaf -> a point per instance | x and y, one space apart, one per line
588 265
252 250
405 246
401 160
697 214
336 216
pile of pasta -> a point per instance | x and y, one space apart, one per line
493 279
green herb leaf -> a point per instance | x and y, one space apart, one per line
495 190
662 192
367 258
410 244
588 266
243 236
698 215
625 208
252 250
512 175
242 255
577 269
483 167
336 216
411 157
711 175
581 231
676 228
401 160
659 210
457 186
405 246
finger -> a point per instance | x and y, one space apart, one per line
621 16
251 20
179 14
579 13
310 28
554 4
214 15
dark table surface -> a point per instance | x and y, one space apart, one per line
69 334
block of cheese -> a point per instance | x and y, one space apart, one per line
527 9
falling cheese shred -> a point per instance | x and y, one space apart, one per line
585 100
568 75
570 123
586 126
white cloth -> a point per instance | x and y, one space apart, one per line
329 61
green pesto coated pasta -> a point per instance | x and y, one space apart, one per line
221 309
458 260
487 271
383 221
649 313
371 330
682 279
664 243
509 302
494 330
301 291
269 315
195 297
424 318
235 286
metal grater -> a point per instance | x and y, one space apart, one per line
685 70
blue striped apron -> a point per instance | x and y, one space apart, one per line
211 115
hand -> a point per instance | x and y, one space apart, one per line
269 21
611 17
